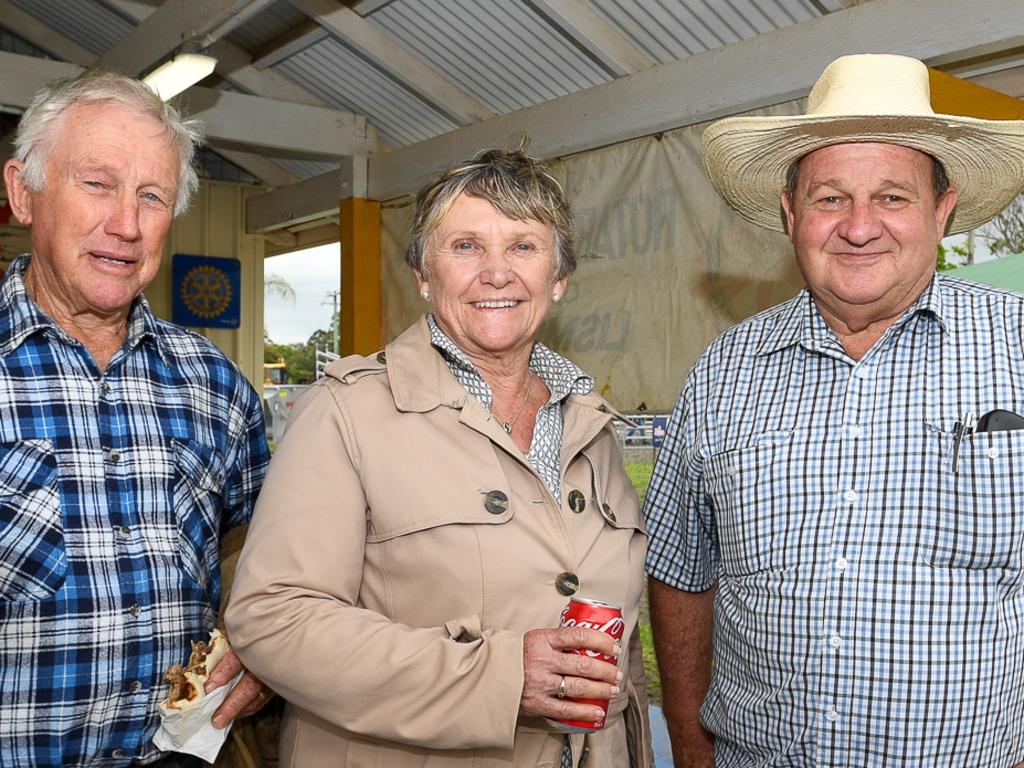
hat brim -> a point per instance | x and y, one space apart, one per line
746 158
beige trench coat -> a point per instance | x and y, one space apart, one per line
384 588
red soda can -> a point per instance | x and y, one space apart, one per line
604 617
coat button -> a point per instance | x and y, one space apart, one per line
567 583
608 512
382 358
496 502
577 502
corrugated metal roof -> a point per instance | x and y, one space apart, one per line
340 77
667 30
90 24
502 53
270 23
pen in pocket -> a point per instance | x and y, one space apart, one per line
963 427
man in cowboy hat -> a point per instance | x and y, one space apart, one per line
831 512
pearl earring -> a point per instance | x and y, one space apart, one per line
425 293
555 297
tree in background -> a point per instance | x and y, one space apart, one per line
300 359
1005 233
944 260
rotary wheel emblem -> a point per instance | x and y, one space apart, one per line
206 291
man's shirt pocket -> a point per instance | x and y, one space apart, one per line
33 561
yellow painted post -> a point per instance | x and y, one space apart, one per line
361 322
954 96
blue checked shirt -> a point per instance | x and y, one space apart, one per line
870 606
114 489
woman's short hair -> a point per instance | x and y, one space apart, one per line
518 187
33 141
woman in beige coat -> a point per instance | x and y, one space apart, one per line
431 509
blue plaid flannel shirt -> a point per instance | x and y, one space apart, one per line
870 606
115 487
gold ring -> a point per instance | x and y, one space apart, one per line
561 689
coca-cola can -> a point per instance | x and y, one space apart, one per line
603 617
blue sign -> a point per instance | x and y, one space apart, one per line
207 291
659 424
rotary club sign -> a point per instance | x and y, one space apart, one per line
206 291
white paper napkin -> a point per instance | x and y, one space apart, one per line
191 731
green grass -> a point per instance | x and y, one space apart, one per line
640 475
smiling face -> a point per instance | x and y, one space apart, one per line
490 277
865 224
99 223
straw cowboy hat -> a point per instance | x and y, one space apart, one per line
868 97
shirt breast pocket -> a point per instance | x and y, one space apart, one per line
754 490
198 503
33 561
979 519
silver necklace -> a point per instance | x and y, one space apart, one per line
507 425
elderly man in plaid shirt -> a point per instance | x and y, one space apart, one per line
128 446
832 517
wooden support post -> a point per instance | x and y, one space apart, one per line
361 322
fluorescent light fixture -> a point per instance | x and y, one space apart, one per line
181 72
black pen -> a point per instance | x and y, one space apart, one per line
961 428
958 436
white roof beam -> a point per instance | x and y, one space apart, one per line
41 35
22 76
308 200
173 23
409 70
598 37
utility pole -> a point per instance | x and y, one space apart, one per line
335 297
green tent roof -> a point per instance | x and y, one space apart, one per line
1007 272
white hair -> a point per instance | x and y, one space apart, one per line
32 144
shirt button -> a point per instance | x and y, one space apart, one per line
118 753
862 372
105 386
835 641
850 496
992 453
135 687
135 609
115 456
832 715
841 564
125 531
855 430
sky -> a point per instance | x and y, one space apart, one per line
314 274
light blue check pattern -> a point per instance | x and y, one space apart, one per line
115 487
870 609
